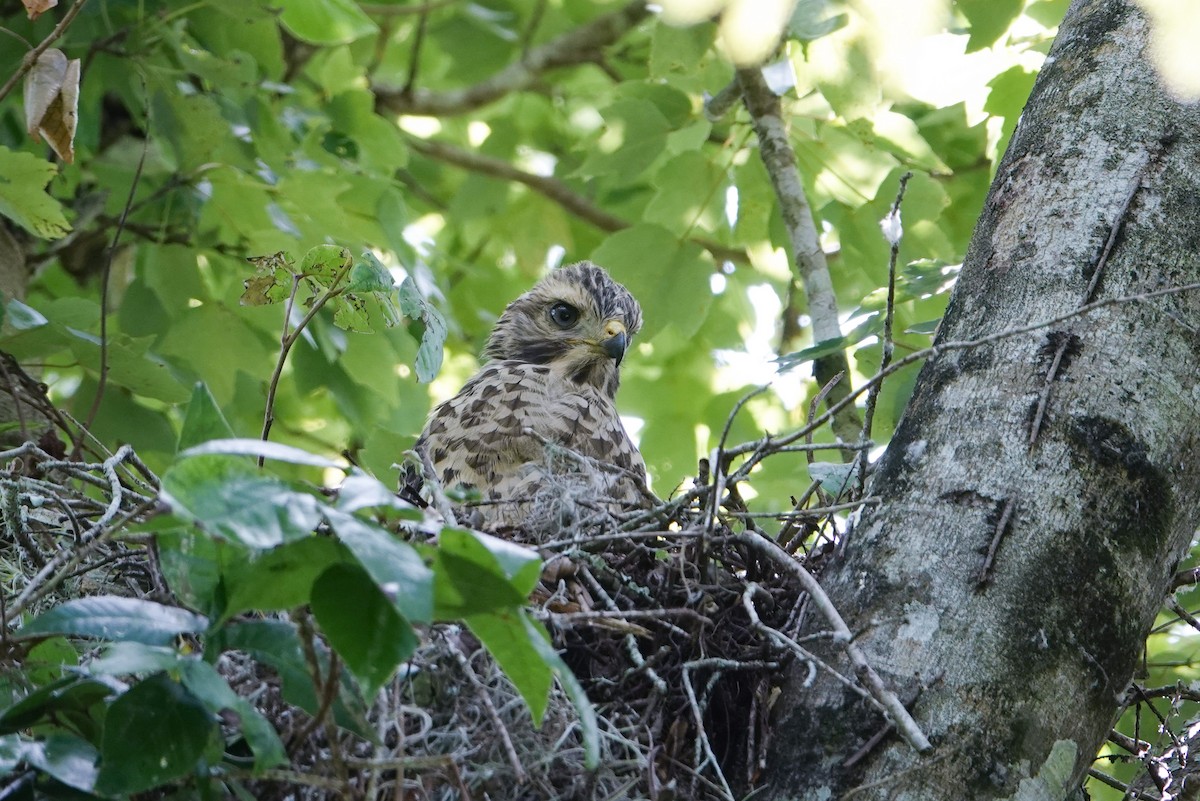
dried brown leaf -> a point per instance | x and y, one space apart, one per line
35 8
52 102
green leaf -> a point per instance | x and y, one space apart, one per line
691 193
23 199
928 327
22 317
134 658
988 19
812 19
279 579
256 447
70 759
203 420
433 333
370 286
835 477
476 573
227 496
277 643
47 660
326 22
110 617
509 640
369 275
362 625
363 491
676 292
272 280
129 365
203 680
155 732
323 264
70 699
635 135
395 566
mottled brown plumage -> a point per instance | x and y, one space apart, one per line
551 379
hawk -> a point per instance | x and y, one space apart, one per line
537 423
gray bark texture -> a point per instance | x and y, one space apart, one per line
1078 444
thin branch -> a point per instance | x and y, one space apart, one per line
551 188
578 46
106 274
941 348
807 257
899 716
288 339
893 233
481 692
33 55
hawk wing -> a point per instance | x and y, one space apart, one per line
479 437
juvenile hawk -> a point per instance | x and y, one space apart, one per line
548 385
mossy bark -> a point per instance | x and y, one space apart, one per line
1080 444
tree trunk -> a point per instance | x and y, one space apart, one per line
1071 453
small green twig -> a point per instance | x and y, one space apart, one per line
288 339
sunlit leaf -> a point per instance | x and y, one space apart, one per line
228 496
326 22
432 333
109 617
23 178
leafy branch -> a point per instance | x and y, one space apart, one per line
553 189
578 46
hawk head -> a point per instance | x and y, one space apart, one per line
576 320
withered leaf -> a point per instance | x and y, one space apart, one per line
52 102
35 8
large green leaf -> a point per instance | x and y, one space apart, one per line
989 19
109 617
279 579
636 133
210 687
361 624
670 277
509 640
395 566
230 497
476 573
23 199
326 22
153 733
69 699
203 420
66 757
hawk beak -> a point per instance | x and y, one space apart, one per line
616 340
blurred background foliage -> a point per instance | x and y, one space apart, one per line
472 146
276 127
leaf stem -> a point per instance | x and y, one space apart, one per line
288 339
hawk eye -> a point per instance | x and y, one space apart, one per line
564 315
